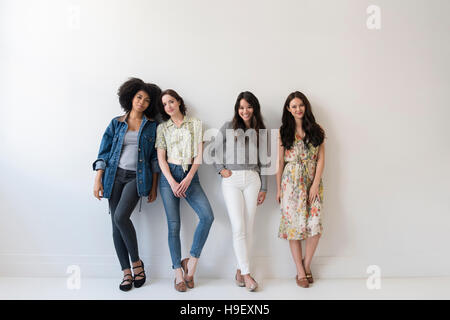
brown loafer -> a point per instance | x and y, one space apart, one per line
238 279
189 279
309 276
180 287
302 282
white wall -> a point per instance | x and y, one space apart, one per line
381 95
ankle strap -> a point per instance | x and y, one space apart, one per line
141 266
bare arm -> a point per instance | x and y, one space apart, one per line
184 184
320 164
98 187
314 190
153 191
197 161
162 161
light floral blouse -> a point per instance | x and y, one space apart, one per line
180 143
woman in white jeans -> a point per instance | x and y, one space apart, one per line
243 186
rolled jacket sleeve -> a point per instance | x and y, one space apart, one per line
99 164
154 162
105 148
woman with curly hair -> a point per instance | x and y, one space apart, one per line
301 159
127 169
180 143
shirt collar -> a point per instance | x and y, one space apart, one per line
186 119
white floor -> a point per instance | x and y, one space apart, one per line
212 289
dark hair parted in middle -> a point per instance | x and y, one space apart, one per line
257 121
175 95
128 90
314 133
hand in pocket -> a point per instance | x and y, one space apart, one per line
225 173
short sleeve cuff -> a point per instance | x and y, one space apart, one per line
160 145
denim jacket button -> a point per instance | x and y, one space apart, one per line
140 170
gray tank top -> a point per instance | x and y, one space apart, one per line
129 154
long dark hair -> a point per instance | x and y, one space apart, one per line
177 97
128 90
257 121
314 133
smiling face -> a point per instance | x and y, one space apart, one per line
296 108
171 105
245 111
141 101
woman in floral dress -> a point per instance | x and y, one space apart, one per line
301 157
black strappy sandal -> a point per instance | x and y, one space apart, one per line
126 287
139 282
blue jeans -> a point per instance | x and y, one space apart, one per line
197 200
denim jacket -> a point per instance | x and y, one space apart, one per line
111 148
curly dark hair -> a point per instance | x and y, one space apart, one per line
128 90
175 95
314 133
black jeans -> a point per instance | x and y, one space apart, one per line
122 202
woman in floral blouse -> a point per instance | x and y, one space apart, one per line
301 157
179 144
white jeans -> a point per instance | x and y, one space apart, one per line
240 192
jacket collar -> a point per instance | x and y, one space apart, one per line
125 117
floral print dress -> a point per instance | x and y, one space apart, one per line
299 220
